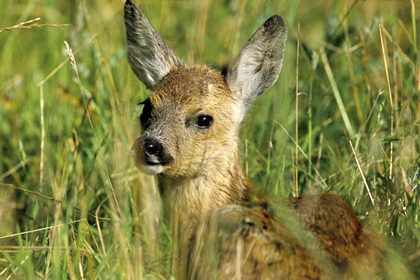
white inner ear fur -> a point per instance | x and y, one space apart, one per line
239 108
247 79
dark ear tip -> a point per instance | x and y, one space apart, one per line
129 2
130 7
276 23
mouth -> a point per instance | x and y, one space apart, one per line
152 163
146 166
154 169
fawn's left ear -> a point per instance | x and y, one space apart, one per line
258 65
148 54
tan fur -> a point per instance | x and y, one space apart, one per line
224 228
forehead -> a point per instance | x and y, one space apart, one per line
192 85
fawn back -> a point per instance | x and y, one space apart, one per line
222 226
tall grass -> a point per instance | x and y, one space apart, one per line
343 118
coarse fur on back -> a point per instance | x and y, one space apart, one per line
222 226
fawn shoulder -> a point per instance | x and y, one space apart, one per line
222 225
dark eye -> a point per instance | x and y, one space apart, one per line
204 121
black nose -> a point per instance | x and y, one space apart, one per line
155 152
152 148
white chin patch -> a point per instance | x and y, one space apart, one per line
151 169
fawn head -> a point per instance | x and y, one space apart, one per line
190 122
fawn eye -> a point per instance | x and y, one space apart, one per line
204 121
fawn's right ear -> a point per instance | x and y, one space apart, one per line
148 54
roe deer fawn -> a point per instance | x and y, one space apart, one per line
223 227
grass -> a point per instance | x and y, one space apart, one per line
343 118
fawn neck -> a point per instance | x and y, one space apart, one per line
186 201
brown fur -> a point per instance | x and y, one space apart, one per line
222 226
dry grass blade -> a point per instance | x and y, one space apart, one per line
30 24
304 154
86 44
297 118
42 148
39 229
69 52
15 168
72 59
336 92
391 102
418 89
361 173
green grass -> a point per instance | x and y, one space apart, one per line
73 206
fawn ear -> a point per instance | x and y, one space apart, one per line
148 54
258 65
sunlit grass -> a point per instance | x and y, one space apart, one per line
72 203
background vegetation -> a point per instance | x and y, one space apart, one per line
343 118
